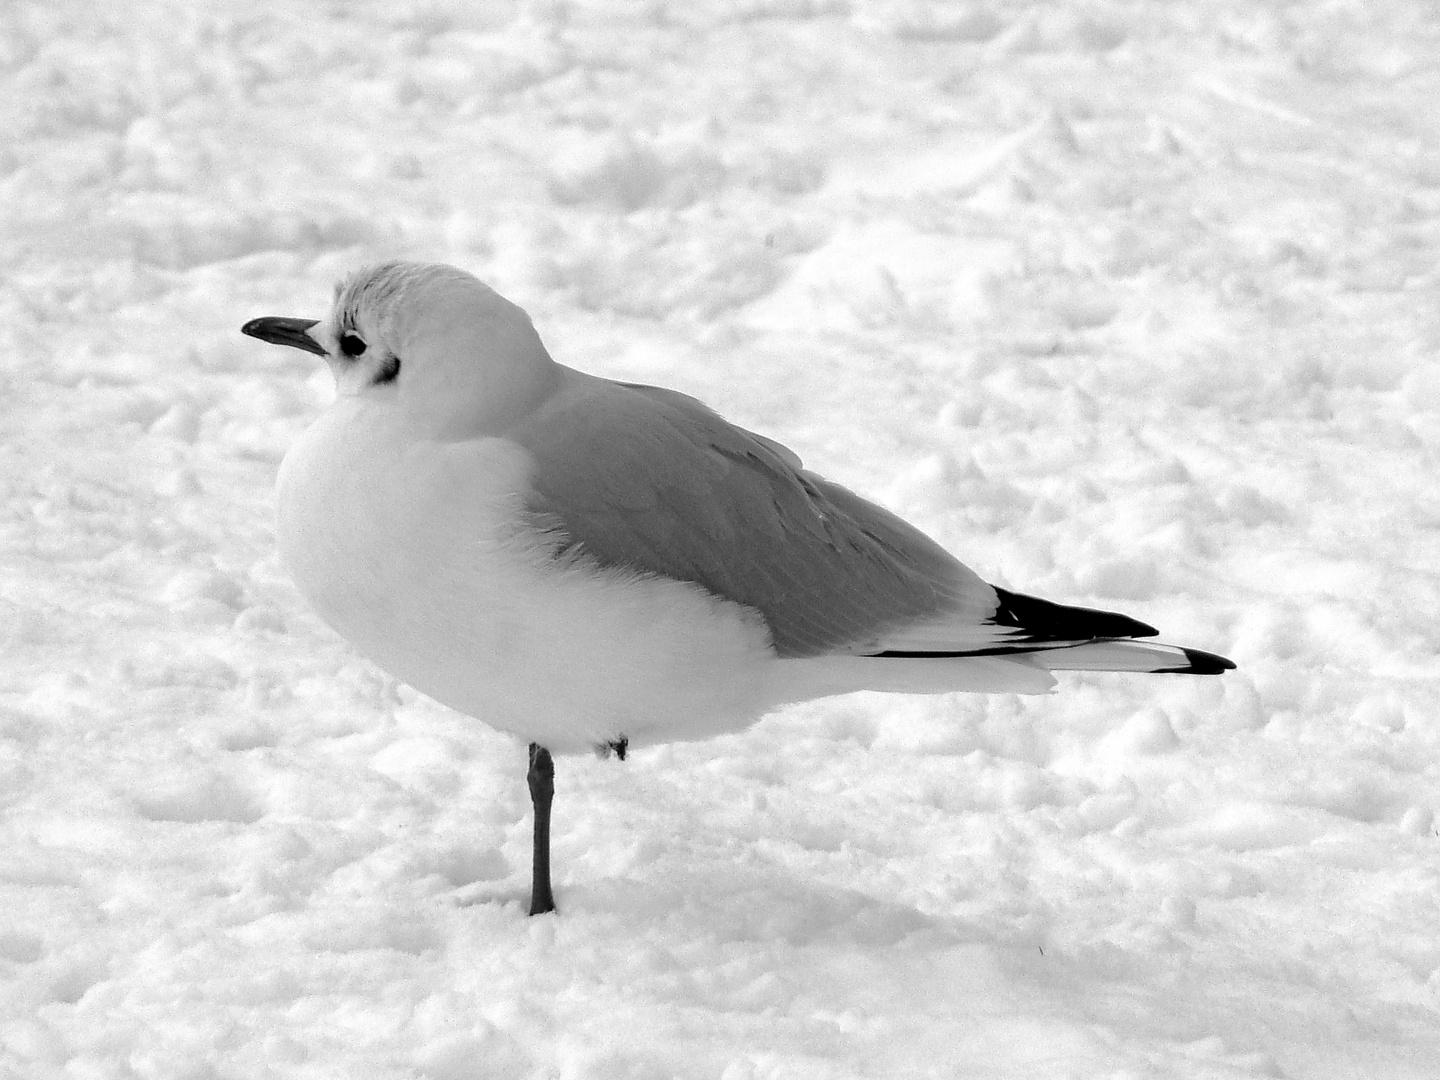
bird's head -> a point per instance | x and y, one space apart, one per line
457 357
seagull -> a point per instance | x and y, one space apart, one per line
598 565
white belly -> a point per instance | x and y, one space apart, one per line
416 551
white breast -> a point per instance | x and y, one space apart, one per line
418 552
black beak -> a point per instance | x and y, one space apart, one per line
280 331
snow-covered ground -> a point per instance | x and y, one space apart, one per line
1130 304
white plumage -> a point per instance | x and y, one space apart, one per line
585 563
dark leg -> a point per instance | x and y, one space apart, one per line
542 789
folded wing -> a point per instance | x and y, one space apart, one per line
654 481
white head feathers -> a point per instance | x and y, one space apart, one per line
436 342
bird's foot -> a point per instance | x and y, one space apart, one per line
619 747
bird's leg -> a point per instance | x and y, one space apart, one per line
542 790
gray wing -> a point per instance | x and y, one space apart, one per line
654 481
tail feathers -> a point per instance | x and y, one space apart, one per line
1017 671
822 676
1125 655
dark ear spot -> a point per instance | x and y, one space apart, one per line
388 372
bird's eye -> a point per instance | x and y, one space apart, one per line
352 344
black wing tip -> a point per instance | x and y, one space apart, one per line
1045 620
1200 663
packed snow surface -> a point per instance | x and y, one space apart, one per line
1129 304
